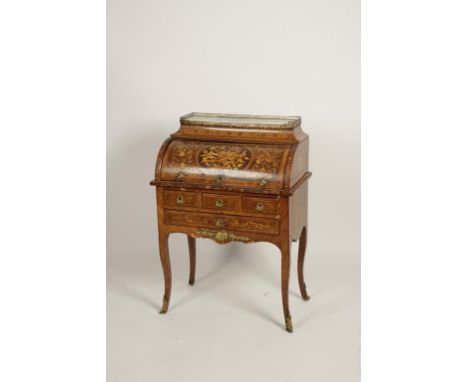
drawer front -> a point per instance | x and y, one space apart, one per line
221 222
221 202
181 199
261 206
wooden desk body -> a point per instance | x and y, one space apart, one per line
234 178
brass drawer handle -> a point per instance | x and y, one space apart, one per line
219 203
220 179
259 206
179 176
180 199
220 223
262 182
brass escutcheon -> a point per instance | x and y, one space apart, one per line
179 176
180 199
220 223
220 179
219 203
259 206
262 182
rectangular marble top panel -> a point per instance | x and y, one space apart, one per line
240 121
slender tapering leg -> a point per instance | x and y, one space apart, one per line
285 265
166 265
193 259
300 263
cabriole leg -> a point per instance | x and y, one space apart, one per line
300 263
193 259
285 265
166 265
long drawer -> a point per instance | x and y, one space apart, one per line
238 223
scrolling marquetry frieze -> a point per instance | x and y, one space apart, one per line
206 132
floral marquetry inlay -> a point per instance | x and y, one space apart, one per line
183 156
225 164
226 157
267 160
222 156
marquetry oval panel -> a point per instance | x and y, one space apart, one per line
224 157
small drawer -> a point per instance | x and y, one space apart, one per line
181 199
222 222
221 202
262 206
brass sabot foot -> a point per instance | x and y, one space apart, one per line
288 325
165 306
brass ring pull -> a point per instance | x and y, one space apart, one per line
259 206
219 203
180 199
220 179
220 223
262 182
179 176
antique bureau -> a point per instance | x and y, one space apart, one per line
234 178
